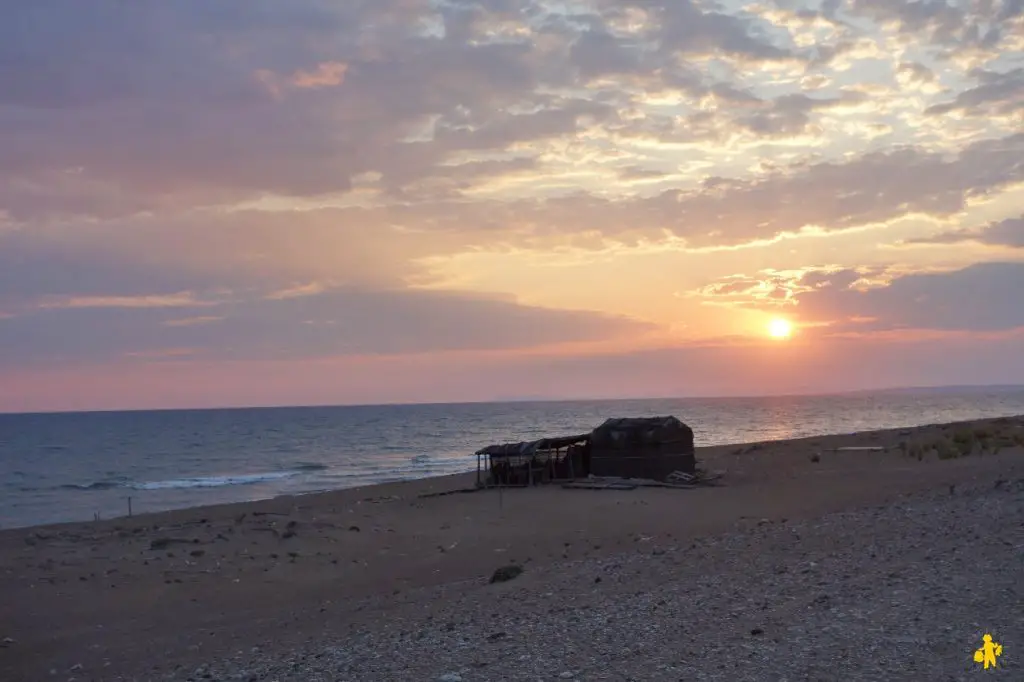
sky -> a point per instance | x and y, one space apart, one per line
372 201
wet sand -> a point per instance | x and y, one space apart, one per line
143 597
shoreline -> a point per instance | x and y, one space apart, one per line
157 595
460 479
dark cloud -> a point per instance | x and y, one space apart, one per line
790 115
948 26
979 298
1009 232
163 107
998 93
113 109
183 102
916 72
876 186
384 247
297 327
216 250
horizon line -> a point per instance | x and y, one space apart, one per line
501 401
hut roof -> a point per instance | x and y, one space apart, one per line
530 447
646 429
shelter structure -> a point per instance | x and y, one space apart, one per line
529 463
643 447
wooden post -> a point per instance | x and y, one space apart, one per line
129 506
478 470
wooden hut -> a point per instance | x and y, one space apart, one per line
636 447
642 447
533 462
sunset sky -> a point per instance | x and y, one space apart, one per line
361 201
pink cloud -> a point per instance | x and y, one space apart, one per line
325 75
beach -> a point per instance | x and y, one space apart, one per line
807 562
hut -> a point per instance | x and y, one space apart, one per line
529 463
642 447
639 447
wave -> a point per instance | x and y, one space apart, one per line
310 466
214 481
356 473
98 485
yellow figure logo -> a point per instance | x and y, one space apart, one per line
988 652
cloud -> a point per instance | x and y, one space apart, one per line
186 105
824 365
210 252
769 289
791 114
913 72
189 321
1000 94
954 27
979 298
870 188
328 74
983 297
183 299
773 289
341 321
1009 232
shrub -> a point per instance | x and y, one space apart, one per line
945 449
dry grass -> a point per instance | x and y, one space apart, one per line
965 442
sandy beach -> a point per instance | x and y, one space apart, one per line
808 562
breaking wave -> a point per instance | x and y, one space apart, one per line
310 466
214 481
97 485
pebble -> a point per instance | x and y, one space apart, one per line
887 607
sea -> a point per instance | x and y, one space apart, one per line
59 467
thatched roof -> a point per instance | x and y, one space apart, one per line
619 432
527 448
642 430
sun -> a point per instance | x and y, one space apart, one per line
780 328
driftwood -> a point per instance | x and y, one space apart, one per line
678 480
450 492
600 485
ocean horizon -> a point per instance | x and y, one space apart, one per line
72 466
944 388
